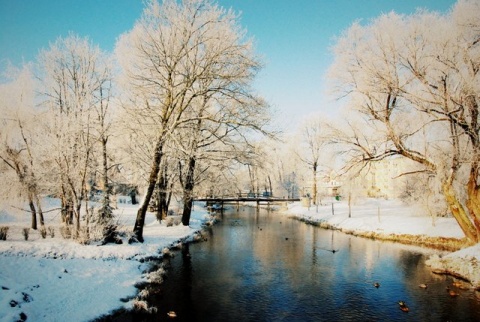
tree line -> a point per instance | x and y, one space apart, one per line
173 109
175 97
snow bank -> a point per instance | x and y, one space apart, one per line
373 215
464 264
55 279
392 220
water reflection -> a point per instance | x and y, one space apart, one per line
260 266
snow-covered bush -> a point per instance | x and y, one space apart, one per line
140 305
84 236
65 232
43 232
173 221
110 234
51 231
156 277
167 253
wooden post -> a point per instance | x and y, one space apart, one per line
349 205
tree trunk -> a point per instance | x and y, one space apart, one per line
459 213
39 208
33 211
188 192
270 185
152 180
106 211
314 192
473 201
162 206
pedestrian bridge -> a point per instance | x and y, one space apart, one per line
221 201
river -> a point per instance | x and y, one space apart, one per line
263 266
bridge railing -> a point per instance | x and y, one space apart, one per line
252 195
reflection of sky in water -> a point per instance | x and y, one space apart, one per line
249 271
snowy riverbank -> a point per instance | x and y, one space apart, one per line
55 279
391 220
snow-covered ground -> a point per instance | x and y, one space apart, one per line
55 279
380 218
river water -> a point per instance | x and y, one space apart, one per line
262 266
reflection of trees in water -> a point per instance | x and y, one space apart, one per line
250 261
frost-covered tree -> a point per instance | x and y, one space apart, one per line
313 140
102 123
177 55
415 82
217 137
19 139
75 83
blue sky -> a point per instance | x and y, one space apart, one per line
293 37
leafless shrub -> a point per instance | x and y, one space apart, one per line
51 231
43 232
83 236
66 232
26 232
4 232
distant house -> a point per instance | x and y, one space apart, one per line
385 179
125 193
124 199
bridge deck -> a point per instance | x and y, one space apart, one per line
247 199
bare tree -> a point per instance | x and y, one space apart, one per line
75 85
313 140
414 79
179 53
19 136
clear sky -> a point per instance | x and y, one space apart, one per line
293 37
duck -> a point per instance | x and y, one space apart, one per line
376 284
172 314
423 285
457 284
460 285
403 306
452 293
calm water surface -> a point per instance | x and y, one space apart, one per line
261 266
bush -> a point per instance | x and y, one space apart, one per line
51 231
43 232
139 306
66 232
110 234
26 232
83 236
156 277
4 232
